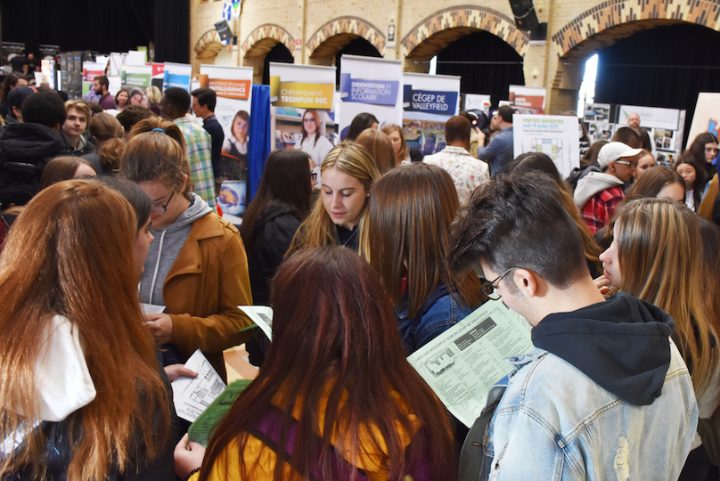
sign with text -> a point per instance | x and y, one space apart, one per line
177 75
302 86
138 76
651 117
554 135
369 84
233 87
527 100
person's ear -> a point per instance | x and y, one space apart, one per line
527 281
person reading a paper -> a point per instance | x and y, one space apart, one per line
196 266
604 386
335 385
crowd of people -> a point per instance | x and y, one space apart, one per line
116 267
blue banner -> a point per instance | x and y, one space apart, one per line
176 80
429 101
374 92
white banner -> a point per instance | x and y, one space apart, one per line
303 99
706 117
373 85
554 135
177 75
651 117
233 87
477 102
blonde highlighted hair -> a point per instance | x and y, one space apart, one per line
658 244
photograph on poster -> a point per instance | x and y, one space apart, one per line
425 136
600 131
597 113
311 130
664 139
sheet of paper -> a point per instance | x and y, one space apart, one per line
193 396
464 362
262 316
151 308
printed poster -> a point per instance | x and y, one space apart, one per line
706 117
175 75
233 87
528 100
477 102
373 85
651 117
90 71
428 102
303 97
554 135
136 76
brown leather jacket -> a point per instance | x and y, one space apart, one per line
207 282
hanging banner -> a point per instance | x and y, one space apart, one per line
477 102
428 102
233 87
706 117
554 135
527 100
651 117
369 84
303 98
176 75
136 76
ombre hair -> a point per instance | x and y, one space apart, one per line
156 151
66 255
318 228
407 232
652 182
658 242
389 129
337 366
380 147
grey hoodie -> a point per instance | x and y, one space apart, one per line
165 249
591 184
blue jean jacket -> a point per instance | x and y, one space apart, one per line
441 315
555 423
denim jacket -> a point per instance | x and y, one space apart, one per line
554 423
446 311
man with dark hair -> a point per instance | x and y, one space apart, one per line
25 147
15 99
499 151
101 86
604 382
466 171
174 105
628 136
131 115
203 106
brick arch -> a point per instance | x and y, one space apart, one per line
208 45
268 35
347 27
462 19
623 17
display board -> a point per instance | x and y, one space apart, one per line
554 135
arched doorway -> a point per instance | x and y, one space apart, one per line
350 35
267 43
484 63
279 53
357 46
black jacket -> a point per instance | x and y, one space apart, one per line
25 148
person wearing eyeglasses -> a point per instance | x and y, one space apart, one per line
598 194
604 382
197 266
313 142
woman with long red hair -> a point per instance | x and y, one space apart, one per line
80 384
336 399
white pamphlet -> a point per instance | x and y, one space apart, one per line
151 308
192 396
464 362
262 316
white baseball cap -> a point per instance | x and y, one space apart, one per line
613 151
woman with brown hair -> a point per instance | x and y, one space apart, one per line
197 267
654 257
402 153
107 135
70 310
336 400
65 167
313 142
659 182
338 216
406 241
380 147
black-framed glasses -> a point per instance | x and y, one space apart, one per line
162 208
488 288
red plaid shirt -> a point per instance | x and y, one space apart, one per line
598 211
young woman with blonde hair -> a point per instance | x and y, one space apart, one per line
655 257
336 400
406 240
197 266
339 214
68 286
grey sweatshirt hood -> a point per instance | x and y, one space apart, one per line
591 184
165 249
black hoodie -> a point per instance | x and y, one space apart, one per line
622 344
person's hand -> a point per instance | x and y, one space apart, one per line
160 326
174 371
603 285
480 137
188 456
